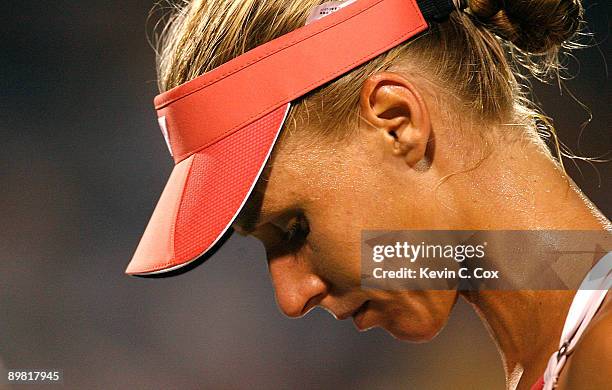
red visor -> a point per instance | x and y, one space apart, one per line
222 126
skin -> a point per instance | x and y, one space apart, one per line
386 175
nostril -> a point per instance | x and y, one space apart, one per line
312 302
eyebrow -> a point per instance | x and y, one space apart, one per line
250 215
252 212
247 219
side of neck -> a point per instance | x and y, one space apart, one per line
523 189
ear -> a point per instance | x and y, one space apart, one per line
392 104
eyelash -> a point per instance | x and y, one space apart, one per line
297 231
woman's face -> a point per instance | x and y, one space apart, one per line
309 210
312 205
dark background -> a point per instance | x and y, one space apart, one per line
82 165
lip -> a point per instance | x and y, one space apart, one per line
351 313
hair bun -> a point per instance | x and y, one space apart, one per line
534 26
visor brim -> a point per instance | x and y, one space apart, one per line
203 197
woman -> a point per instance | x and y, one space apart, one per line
429 131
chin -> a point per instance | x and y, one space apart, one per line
410 331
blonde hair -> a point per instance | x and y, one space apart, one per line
474 57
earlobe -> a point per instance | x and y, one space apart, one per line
393 105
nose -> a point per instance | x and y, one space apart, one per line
298 289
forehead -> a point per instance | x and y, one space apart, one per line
299 174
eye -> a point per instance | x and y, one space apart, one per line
297 230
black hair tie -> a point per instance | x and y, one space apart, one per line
438 10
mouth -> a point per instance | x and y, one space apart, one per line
351 313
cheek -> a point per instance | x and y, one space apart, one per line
336 248
336 224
